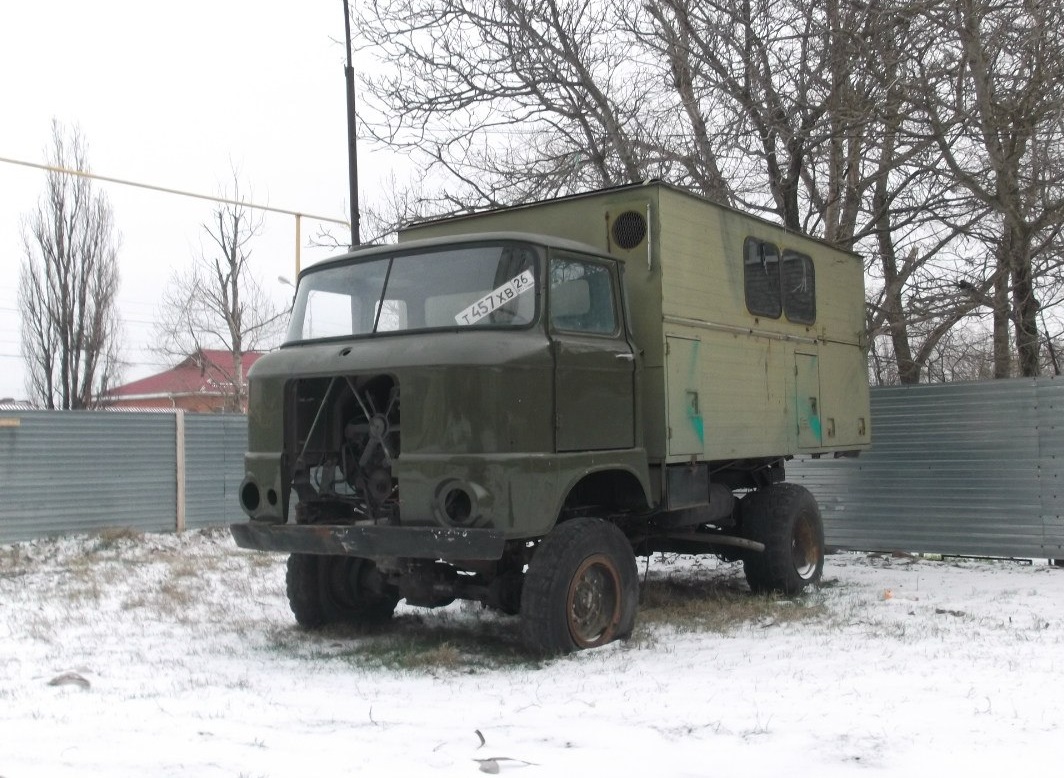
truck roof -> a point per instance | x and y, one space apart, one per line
653 183
541 239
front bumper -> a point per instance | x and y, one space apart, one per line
371 542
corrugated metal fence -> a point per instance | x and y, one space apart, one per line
967 469
214 468
82 471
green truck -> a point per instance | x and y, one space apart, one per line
510 406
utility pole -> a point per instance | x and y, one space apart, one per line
352 150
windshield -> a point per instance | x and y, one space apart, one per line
463 286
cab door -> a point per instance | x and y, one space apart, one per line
594 363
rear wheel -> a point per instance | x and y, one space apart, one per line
337 589
784 517
581 589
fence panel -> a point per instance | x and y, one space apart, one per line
1051 463
954 468
974 469
79 471
214 468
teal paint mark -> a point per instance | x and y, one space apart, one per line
808 416
694 417
698 426
814 425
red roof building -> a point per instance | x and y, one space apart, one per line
203 383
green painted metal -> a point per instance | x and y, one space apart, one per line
634 351
594 364
414 542
685 280
686 424
807 401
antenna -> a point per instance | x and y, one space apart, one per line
352 150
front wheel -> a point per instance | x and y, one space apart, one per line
581 589
337 589
784 517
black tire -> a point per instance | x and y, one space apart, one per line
784 517
581 589
326 590
304 590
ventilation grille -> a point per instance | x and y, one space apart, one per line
629 229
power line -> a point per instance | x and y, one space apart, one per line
168 190
299 215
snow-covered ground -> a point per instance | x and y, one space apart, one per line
177 656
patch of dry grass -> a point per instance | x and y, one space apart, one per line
14 561
462 641
169 581
417 652
115 538
183 567
174 597
718 604
469 639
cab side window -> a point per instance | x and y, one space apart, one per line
582 297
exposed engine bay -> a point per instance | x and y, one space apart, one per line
342 435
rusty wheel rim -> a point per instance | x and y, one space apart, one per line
593 605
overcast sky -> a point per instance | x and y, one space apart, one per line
171 94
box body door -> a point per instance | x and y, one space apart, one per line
686 429
807 400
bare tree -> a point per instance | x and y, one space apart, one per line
772 88
68 284
997 118
395 205
925 136
219 303
513 100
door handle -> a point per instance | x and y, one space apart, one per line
626 355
